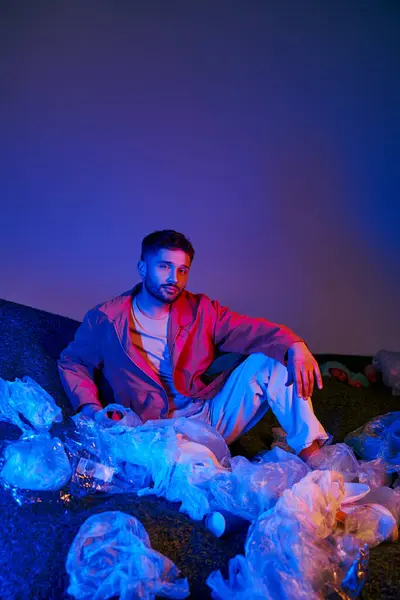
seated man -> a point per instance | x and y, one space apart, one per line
150 348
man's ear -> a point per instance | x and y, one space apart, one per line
142 268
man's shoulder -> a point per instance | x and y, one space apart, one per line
192 297
197 300
192 306
110 309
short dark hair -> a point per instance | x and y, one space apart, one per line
168 239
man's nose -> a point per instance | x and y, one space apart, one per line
173 276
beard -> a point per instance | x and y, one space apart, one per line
160 293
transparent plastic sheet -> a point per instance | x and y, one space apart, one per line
111 556
389 364
251 488
379 438
26 404
291 551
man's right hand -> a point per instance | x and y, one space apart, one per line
89 410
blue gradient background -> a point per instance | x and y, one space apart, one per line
268 132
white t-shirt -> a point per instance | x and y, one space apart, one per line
149 336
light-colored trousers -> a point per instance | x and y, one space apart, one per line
256 385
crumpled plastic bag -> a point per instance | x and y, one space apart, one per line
389 364
184 473
111 556
385 496
129 418
251 488
26 404
341 458
179 455
338 457
290 551
379 438
374 473
36 462
370 523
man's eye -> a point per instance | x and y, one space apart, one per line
183 271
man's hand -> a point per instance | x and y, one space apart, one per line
89 410
302 367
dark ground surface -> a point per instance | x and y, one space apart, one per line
35 538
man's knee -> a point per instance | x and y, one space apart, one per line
260 366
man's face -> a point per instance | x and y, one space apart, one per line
165 274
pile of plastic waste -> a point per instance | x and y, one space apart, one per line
310 526
292 551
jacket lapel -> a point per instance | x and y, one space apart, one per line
121 315
119 311
180 318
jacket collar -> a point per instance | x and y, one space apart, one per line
118 309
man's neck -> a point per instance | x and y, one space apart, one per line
150 306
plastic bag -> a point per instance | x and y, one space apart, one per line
26 404
338 457
251 488
373 473
379 438
389 364
129 418
290 551
385 496
36 462
204 434
178 455
184 474
111 556
370 523
341 458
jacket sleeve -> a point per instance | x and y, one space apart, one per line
234 332
78 362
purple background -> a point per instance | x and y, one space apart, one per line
268 132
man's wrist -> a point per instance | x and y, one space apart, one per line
291 348
89 410
298 343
